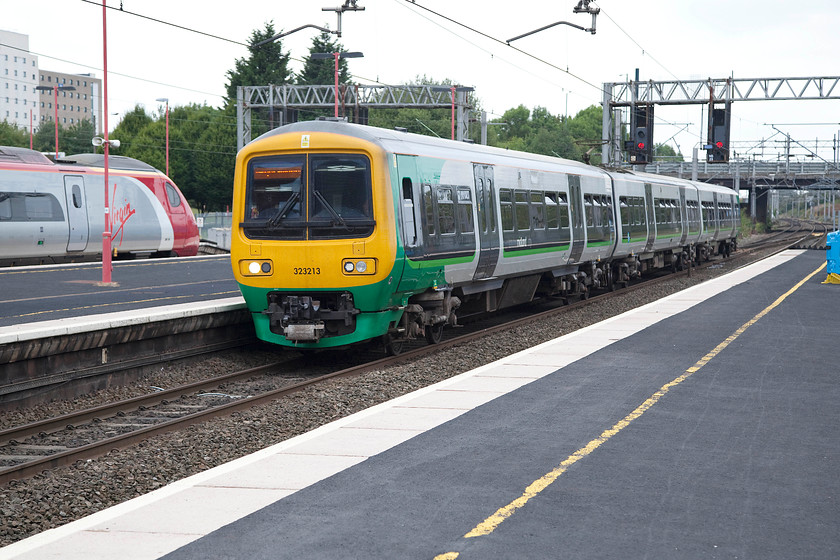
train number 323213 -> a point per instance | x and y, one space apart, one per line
307 270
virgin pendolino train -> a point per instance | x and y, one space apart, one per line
55 211
345 233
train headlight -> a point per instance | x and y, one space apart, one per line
255 268
359 266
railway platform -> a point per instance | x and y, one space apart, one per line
703 425
72 292
62 332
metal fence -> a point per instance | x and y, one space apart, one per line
214 229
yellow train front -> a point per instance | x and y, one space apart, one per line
313 239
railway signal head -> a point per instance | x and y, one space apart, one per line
718 150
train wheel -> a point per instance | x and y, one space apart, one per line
434 333
392 347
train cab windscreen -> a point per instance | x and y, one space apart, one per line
308 197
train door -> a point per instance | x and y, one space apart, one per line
77 216
410 207
488 231
683 216
576 221
651 217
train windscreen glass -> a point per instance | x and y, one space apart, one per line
316 196
275 186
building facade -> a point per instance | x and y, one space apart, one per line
18 80
78 96
28 94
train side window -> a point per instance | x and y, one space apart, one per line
506 203
42 208
491 213
624 211
552 211
564 210
429 209
538 209
465 210
523 222
76 195
172 196
5 206
446 210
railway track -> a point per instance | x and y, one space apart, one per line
30 449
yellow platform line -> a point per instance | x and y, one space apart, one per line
491 523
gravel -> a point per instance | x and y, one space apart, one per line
57 497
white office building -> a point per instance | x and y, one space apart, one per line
18 80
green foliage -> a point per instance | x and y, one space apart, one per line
10 135
267 64
430 122
77 138
540 132
322 71
665 153
202 149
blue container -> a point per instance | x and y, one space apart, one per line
832 252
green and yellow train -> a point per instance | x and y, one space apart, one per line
345 233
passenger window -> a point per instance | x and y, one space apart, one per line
506 204
5 206
430 212
446 210
465 210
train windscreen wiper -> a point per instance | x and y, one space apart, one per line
336 216
274 221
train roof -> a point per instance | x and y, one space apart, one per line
673 180
116 162
396 140
11 154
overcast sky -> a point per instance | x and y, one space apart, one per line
665 40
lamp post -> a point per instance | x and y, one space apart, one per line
336 56
106 143
55 89
166 100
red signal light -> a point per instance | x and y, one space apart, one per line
718 144
641 145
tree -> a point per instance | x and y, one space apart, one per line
665 153
130 126
585 127
11 135
322 71
44 138
78 138
431 122
266 65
